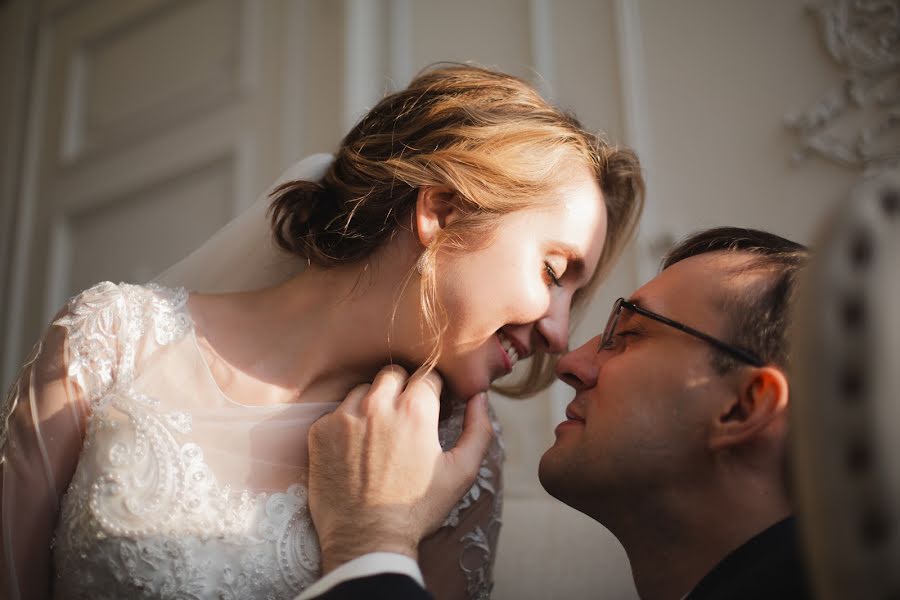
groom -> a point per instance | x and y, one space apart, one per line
676 440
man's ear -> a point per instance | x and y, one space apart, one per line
761 399
436 207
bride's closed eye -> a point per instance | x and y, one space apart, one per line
552 276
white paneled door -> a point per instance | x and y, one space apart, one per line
152 123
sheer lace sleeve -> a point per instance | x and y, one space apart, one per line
43 421
468 538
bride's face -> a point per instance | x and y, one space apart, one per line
513 297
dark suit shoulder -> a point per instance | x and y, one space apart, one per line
386 586
767 566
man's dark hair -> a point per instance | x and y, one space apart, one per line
758 314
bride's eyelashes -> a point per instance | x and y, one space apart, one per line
552 277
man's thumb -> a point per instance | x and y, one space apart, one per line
474 441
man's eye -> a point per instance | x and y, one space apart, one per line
619 339
608 344
553 278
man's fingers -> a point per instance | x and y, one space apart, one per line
387 385
473 443
423 395
420 386
353 402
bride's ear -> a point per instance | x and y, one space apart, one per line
436 208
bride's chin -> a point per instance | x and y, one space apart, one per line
462 380
455 392
451 392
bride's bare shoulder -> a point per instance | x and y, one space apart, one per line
226 323
212 311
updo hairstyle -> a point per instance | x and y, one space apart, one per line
489 137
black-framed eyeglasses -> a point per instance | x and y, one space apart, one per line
621 303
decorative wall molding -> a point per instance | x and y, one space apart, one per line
378 53
400 46
151 149
169 186
20 39
364 46
25 217
654 237
540 20
293 76
856 123
105 112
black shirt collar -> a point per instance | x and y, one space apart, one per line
769 563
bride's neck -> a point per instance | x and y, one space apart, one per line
310 339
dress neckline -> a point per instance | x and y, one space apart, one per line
275 406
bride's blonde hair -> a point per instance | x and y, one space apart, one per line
488 136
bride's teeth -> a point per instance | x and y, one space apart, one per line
508 347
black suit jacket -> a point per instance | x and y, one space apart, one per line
387 586
768 566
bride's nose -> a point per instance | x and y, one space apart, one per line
551 332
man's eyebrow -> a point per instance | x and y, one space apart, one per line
637 301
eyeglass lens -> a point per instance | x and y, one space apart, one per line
611 323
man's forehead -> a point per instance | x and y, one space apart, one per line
698 285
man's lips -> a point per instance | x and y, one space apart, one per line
567 424
572 414
573 419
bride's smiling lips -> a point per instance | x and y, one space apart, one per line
511 350
504 357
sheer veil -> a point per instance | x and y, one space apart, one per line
242 255
105 356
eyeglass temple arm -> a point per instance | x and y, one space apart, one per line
728 348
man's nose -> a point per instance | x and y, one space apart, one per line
578 368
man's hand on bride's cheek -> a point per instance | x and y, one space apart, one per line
379 480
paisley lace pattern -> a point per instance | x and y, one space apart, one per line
476 558
146 517
104 324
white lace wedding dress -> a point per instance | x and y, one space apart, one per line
127 473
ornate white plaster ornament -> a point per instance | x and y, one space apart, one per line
856 123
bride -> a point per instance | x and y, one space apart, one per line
155 442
